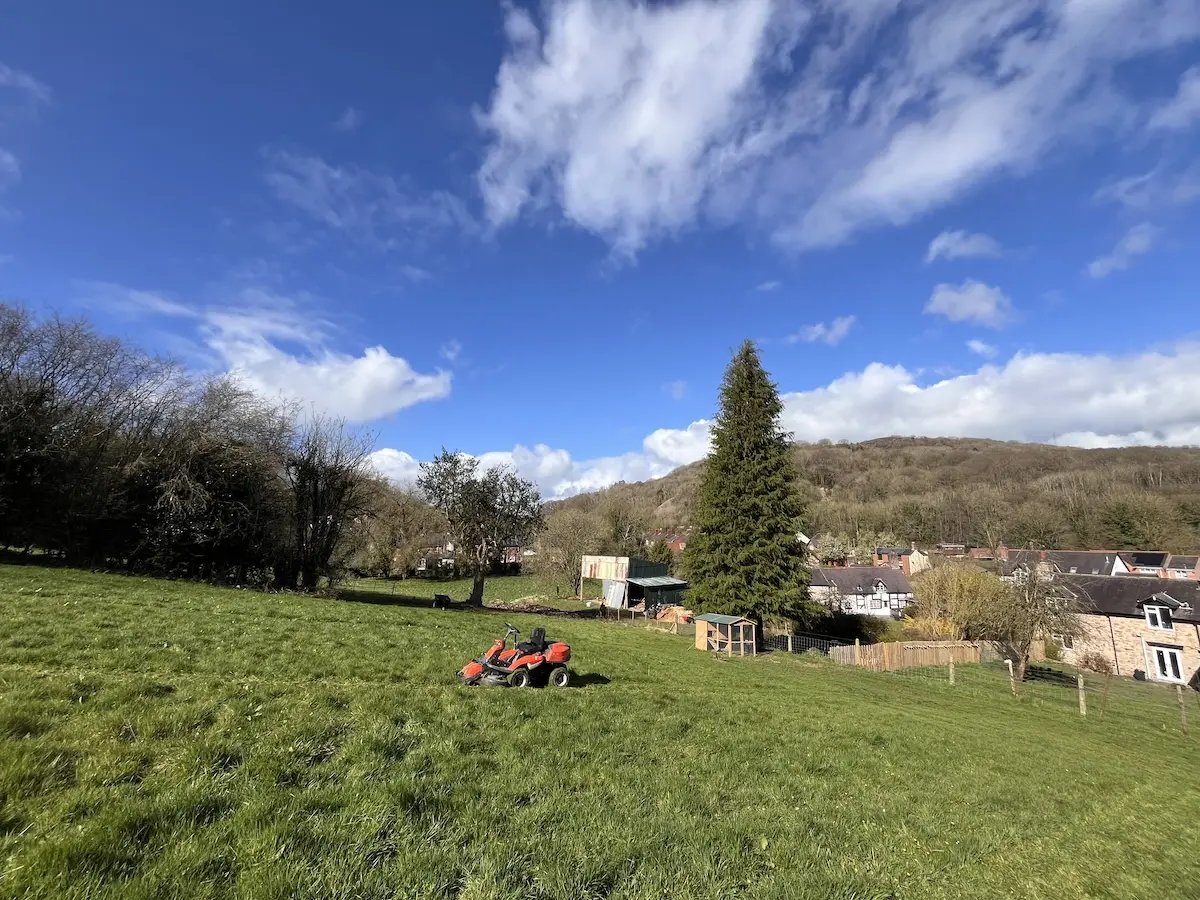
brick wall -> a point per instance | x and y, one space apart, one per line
1131 636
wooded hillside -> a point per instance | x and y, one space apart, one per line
971 491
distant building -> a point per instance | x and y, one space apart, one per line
864 590
436 556
1141 562
1061 562
909 560
1187 567
629 580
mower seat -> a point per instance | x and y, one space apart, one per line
536 642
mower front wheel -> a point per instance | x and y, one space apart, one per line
520 678
559 676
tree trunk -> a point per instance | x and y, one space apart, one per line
476 598
1022 666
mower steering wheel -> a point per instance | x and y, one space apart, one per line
513 630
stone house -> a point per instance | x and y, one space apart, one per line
863 590
1147 628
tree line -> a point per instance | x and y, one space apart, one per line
112 457
976 492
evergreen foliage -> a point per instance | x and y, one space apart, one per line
743 556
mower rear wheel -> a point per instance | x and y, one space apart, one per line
559 676
520 678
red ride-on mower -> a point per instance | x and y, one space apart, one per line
536 662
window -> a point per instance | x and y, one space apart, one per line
1159 618
1063 640
1074 569
876 602
1168 664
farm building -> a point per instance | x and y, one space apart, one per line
731 635
629 580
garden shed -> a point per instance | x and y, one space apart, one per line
731 635
657 590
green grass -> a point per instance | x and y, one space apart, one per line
169 740
502 589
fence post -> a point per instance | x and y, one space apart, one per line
1104 701
952 668
789 643
1082 694
857 652
1182 707
1012 678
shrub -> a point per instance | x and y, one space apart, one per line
1095 662
1053 650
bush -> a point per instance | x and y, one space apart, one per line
1053 650
1095 662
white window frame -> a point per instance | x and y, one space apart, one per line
1167 653
1156 615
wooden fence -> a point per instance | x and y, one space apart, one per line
891 657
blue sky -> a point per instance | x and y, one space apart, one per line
535 232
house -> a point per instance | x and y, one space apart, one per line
436 556
1145 627
676 540
1141 562
1187 567
909 559
866 590
952 551
1060 562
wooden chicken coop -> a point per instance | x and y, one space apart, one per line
731 635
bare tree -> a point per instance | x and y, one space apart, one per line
1035 606
569 535
327 471
485 511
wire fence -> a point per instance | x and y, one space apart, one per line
1063 690
981 668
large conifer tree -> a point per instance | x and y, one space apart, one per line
743 556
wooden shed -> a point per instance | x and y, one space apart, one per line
731 635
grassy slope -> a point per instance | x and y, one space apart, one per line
497 590
161 739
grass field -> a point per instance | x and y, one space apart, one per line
170 740
497 590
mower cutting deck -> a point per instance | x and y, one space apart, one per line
536 662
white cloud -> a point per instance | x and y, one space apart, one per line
396 465
1153 190
1183 110
415 274
676 390
962 245
10 169
280 348
30 94
831 334
1135 242
31 90
635 121
348 121
971 301
365 206
981 348
1060 398
450 351
767 286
